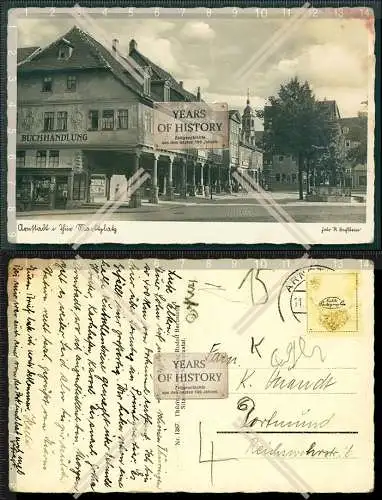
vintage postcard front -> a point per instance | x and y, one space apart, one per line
257 123
196 376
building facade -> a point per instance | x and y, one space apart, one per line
243 155
85 126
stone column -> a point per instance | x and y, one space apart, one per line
218 184
52 192
201 179
207 189
29 203
193 187
134 194
229 180
154 195
69 200
183 187
108 185
170 187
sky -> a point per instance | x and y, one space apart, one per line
226 56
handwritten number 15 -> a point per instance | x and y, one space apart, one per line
252 278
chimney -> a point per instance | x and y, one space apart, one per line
181 83
115 44
132 45
198 94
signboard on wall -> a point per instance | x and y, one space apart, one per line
55 138
190 125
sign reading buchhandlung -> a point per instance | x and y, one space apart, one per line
190 125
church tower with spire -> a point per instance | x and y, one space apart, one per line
248 124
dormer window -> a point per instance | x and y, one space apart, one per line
166 92
64 52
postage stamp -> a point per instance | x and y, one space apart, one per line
190 376
332 302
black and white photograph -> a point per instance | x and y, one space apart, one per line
200 126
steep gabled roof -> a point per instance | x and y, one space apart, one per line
160 74
88 53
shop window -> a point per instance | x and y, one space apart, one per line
93 119
64 52
47 84
123 118
20 159
41 191
62 121
48 121
277 177
71 83
41 159
54 158
107 119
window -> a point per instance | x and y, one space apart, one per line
71 83
47 84
166 91
277 177
283 178
54 158
345 130
20 159
41 159
48 121
288 179
62 120
64 52
123 118
107 119
294 177
347 144
281 158
93 120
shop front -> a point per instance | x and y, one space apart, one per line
47 191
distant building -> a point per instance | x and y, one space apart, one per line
243 153
354 131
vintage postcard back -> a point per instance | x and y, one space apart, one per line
220 376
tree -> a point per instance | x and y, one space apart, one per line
358 153
294 123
